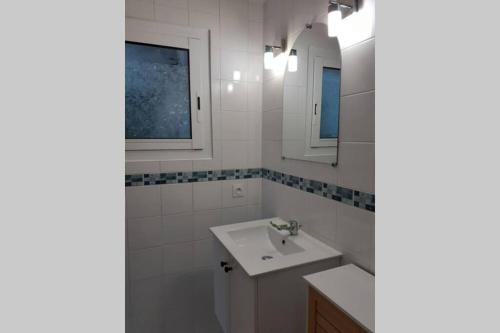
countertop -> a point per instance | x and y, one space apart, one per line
351 289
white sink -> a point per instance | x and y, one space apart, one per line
264 240
260 248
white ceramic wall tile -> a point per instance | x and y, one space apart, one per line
234 126
172 15
272 123
203 253
175 3
177 258
254 125
208 6
204 220
234 215
355 230
254 157
254 189
174 166
214 163
216 94
233 95
207 195
177 290
142 167
227 193
237 9
272 95
142 9
256 11
142 201
209 21
234 65
271 154
254 213
356 168
255 67
319 215
254 91
234 34
357 119
146 295
234 154
145 263
255 41
178 228
358 68
177 198
179 297
216 126
147 305
144 232
179 319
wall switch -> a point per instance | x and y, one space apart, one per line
238 191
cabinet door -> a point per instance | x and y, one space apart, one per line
325 317
221 286
242 297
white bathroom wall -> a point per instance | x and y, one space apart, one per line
169 249
347 228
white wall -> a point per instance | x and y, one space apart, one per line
169 249
348 229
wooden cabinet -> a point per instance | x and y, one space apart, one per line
325 317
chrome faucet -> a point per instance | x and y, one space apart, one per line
292 227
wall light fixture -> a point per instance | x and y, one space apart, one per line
269 54
292 61
338 10
268 57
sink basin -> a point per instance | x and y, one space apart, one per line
264 241
260 248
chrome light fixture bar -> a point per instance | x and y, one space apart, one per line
337 11
269 54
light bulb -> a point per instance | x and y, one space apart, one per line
292 61
236 75
334 19
268 58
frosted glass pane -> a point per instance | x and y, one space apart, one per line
330 103
157 96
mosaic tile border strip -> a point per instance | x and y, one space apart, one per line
191 176
338 193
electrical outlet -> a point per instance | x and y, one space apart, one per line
238 191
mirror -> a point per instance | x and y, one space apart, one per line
311 97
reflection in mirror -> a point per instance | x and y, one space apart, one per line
311 93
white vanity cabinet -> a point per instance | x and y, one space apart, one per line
266 303
235 293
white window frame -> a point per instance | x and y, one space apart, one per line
319 63
196 40
323 154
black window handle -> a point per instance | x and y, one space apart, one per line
228 269
223 263
199 103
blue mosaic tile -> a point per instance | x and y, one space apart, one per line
341 194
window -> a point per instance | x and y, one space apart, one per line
330 102
157 93
167 91
326 103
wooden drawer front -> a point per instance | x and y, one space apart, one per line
324 317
